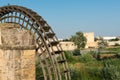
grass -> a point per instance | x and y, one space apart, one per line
86 67
117 49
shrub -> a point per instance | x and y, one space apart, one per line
94 73
68 56
39 73
76 52
75 74
86 58
116 44
111 70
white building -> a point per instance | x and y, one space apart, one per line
109 38
111 43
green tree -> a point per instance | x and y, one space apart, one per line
103 43
79 39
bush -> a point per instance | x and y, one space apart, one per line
118 55
94 73
85 74
86 58
111 70
39 73
76 52
69 56
75 74
116 44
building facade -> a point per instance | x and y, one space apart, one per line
90 40
68 46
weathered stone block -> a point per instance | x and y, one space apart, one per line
17 53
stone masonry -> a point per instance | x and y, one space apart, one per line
17 53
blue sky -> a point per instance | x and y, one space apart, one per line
69 16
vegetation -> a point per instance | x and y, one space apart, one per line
111 70
87 67
102 43
116 39
79 39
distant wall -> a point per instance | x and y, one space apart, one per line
68 45
112 43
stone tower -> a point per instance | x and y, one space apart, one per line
17 53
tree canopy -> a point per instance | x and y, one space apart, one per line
79 39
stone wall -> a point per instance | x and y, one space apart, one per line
68 46
17 53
